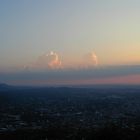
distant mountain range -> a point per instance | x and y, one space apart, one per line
7 86
3 85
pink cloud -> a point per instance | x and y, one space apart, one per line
49 60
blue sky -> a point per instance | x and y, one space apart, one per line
72 29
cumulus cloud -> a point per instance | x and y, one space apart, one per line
91 59
47 61
51 60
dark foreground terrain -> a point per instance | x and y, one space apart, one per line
62 113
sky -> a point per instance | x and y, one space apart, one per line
69 42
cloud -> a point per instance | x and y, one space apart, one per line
52 60
49 60
91 59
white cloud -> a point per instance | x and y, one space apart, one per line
51 60
90 59
46 61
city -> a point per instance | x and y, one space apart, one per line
67 111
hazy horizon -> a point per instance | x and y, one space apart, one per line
72 42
